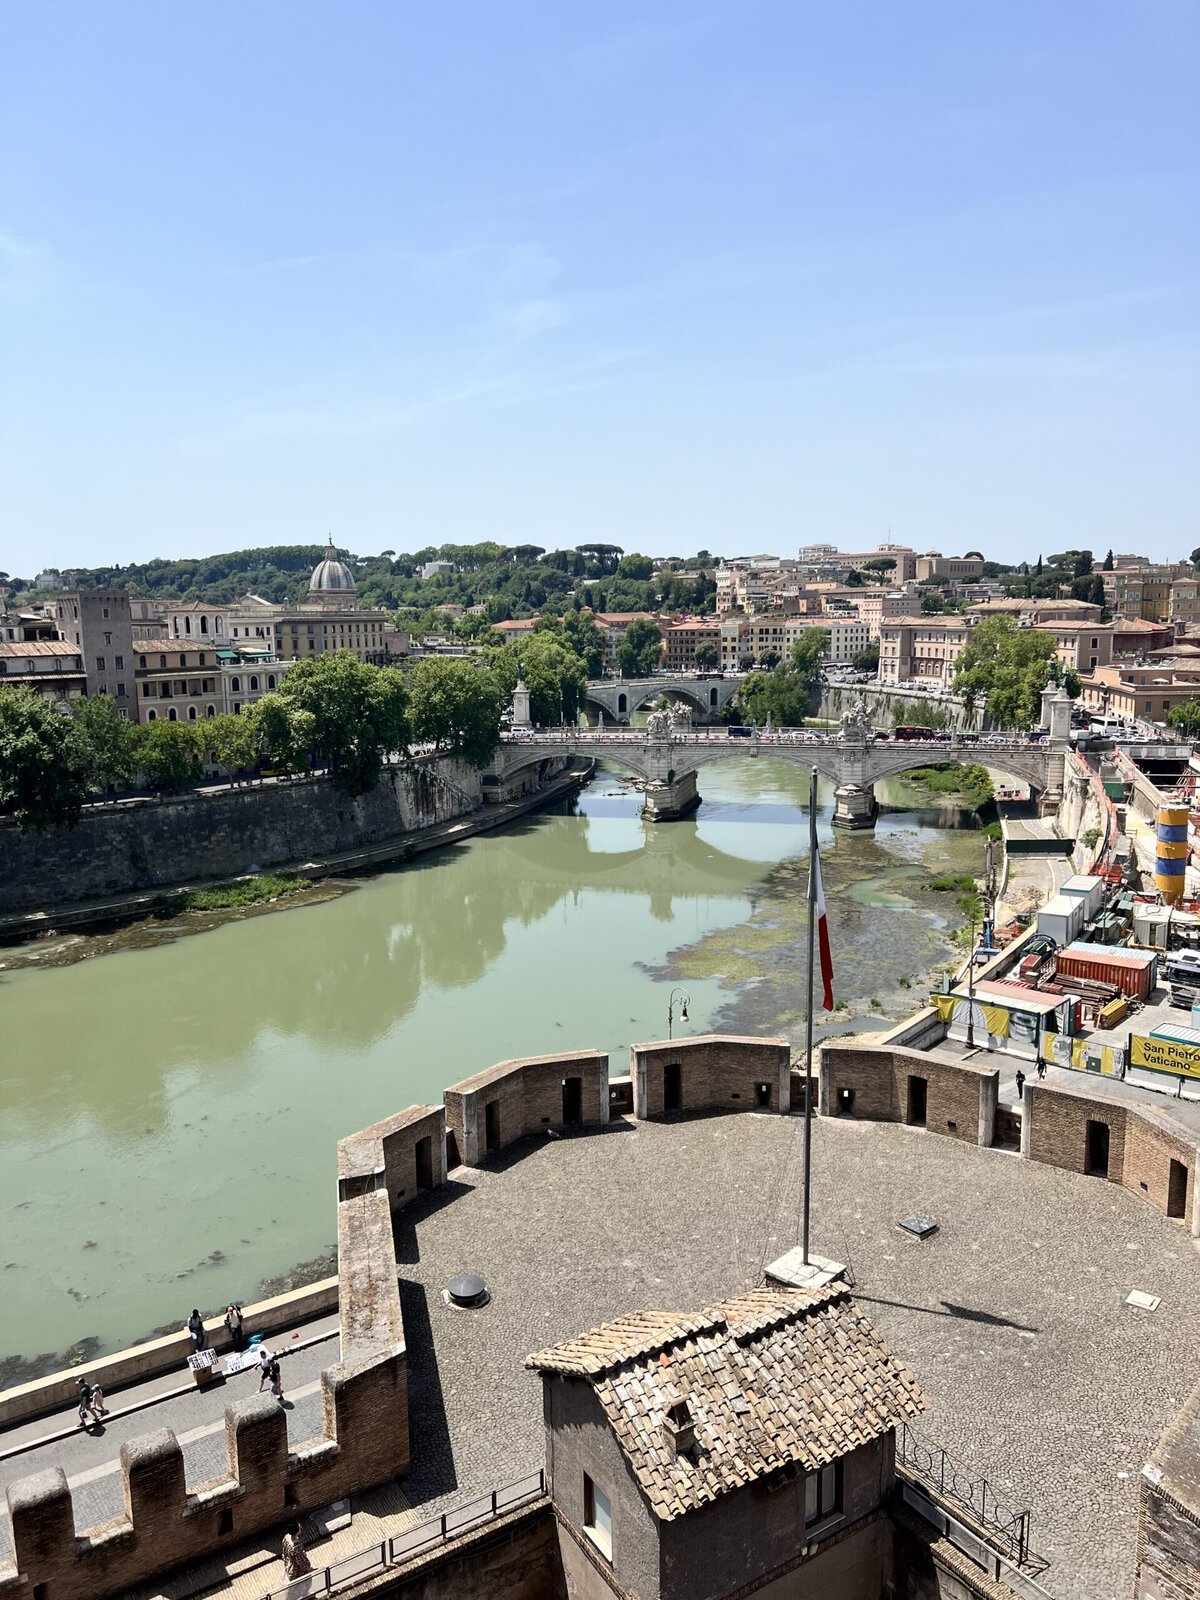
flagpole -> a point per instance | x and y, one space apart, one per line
812 939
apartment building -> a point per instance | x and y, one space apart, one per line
828 561
52 668
191 684
876 606
1147 692
682 639
921 649
1081 646
1037 611
1133 636
1144 591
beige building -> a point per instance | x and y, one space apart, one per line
1144 591
1038 611
329 620
192 684
921 649
1144 692
959 569
1082 646
877 606
53 668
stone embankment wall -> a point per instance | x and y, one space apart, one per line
145 844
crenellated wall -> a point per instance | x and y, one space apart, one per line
403 1154
513 1099
959 1097
714 1072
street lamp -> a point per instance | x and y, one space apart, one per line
685 1001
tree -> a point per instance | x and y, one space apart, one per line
168 754
1185 718
635 566
867 660
583 634
786 693
43 762
232 741
1089 588
640 651
554 675
1005 668
932 603
107 739
880 564
1108 560
708 657
855 579
456 705
360 715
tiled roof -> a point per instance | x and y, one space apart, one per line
38 647
774 1378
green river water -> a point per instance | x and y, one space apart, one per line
168 1115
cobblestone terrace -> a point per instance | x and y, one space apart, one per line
1011 1316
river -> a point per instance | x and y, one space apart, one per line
170 1113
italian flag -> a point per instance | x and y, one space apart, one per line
822 932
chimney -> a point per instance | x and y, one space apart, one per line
679 1429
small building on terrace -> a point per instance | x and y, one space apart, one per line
694 1456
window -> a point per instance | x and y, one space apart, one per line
106 613
147 690
120 691
120 663
142 662
203 659
172 715
271 681
162 661
822 1495
108 638
153 716
191 713
183 661
597 1516
253 685
235 685
99 663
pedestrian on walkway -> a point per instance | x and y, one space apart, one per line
264 1367
295 1557
91 1403
233 1324
1041 1068
276 1376
195 1325
1020 1084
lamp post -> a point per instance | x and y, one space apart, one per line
971 990
685 1001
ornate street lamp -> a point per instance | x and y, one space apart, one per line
685 1001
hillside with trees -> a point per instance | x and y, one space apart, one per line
509 581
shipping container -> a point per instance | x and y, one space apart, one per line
1134 972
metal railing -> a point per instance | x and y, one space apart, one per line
950 1480
417 1541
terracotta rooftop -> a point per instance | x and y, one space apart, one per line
38 647
774 1378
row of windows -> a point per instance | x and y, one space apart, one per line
204 687
118 663
209 711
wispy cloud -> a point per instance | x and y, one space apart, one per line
27 270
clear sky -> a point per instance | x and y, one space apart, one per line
742 275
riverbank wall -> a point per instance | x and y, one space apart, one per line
138 847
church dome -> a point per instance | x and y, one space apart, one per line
331 576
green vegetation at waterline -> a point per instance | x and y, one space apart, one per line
242 892
955 777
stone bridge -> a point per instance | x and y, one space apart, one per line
854 763
616 699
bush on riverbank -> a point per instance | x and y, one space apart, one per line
955 777
246 892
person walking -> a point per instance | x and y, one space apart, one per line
276 1377
295 1557
91 1402
233 1325
264 1367
195 1326
1020 1084
1041 1068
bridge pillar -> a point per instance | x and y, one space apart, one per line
854 806
670 800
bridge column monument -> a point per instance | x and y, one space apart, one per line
854 798
670 793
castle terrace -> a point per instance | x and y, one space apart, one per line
1012 1317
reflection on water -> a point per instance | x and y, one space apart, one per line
158 1105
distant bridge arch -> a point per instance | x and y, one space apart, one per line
617 699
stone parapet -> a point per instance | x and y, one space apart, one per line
403 1154
514 1099
710 1072
884 1084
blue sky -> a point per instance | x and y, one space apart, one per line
729 275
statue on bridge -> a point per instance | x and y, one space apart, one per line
669 722
856 721
681 718
658 725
